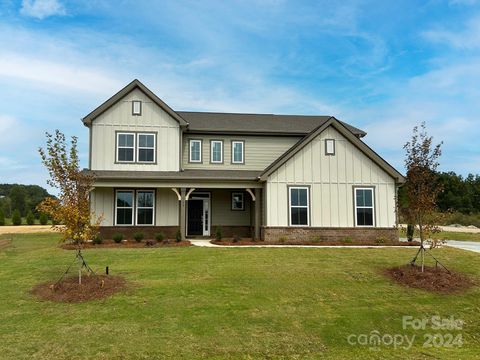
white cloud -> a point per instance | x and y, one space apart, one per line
467 38
41 9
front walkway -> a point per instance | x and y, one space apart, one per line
207 243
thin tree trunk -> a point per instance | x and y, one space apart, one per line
420 226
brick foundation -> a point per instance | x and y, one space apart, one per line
231 231
148 231
306 234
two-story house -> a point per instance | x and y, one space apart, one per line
254 175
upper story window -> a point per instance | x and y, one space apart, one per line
216 151
238 152
299 205
195 153
125 147
136 107
146 147
329 146
364 207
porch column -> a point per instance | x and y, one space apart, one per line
183 226
257 219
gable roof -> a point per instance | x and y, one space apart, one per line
340 127
87 120
213 122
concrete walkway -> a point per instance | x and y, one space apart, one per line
207 243
464 245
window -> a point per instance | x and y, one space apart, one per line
195 151
124 207
329 147
238 202
125 147
136 107
146 148
145 207
299 206
364 208
216 151
237 152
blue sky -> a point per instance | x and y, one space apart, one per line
383 66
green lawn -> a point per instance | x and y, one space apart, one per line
448 235
225 303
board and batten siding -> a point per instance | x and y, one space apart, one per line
102 202
331 180
259 151
119 118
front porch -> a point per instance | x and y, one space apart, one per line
192 212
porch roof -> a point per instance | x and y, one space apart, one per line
188 174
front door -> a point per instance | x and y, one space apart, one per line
195 217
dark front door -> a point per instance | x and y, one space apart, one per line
195 213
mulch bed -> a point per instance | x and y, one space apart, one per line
128 244
432 279
315 243
68 290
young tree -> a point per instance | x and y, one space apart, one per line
30 218
71 208
422 187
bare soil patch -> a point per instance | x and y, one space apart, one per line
128 244
93 287
434 279
25 229
228 242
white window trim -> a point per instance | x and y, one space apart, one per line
145 147
290 188
364 207
125 147
332 141
132 223
243 201
191 141
139 113
138 207
233 152
212 142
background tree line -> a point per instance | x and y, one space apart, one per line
21 200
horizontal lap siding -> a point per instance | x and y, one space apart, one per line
119 118
222 213
260 151
332 179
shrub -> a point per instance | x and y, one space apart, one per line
159 236
43 219
16 218
236 238
138 236
380 240
117 237
347 240
150 243
282 239
98 239
218 233
178 235
30 218
316 239
2 218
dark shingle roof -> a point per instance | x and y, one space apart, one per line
256 123
188 174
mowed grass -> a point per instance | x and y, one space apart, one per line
226 303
